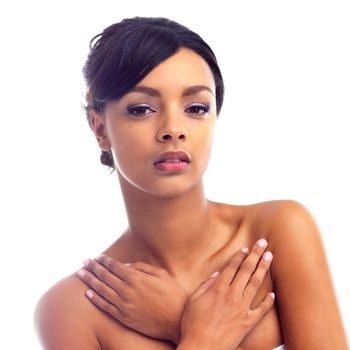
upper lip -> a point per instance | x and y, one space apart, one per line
173 155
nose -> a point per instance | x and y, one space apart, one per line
172 130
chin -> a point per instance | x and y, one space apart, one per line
164 186
170 189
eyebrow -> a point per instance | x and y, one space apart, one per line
192 90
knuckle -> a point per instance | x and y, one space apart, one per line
255 282
113 311
103 275
99 288
235 262
121 292
108 308
133 278
248 267
127 295
129 321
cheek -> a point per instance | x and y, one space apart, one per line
203 144
129 146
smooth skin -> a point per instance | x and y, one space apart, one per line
147 299
173 226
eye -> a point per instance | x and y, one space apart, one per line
139 110
198 108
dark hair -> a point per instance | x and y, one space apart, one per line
126 52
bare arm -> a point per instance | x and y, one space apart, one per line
309 314
218 315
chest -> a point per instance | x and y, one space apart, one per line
265 335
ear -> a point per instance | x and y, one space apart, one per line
98 125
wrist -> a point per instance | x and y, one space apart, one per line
175 328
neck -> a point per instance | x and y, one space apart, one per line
171 232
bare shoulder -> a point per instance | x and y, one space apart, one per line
290 229
281 221
63 317
300 275
66 319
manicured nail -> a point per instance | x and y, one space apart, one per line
245 250
86 262
90 294
268 256
214 274
272 295
262 243
81 273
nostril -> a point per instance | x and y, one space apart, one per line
166 137
181 137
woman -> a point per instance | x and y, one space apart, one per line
154 94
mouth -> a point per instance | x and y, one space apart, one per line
172 157
172 161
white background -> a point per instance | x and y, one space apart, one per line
283 132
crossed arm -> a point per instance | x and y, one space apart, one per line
218 315
307 306
148 300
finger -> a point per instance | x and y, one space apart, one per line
205 285
104 305
258 277
103 274
248 266
263 308
228 273
117 268
147 268
100 287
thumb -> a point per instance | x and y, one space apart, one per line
205 285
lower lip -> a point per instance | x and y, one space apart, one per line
171 167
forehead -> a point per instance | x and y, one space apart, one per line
184 68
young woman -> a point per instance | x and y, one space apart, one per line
153 98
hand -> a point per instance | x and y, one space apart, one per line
141 296
218 314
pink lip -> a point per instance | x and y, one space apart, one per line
171 167
183 156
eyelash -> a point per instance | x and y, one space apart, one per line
131 109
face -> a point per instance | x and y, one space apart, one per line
172 109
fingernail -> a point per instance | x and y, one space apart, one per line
272 295
268 256
81 273
89 294
214 274
127 264
262 243
86 262
100 257
245 250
